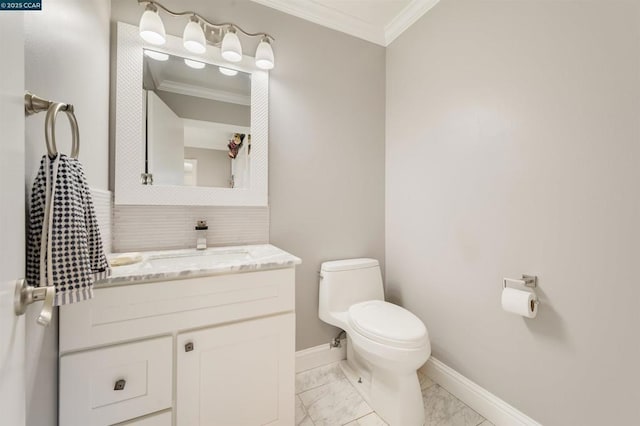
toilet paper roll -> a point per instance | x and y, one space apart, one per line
519 302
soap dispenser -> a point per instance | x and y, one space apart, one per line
201 229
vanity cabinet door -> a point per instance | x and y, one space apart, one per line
240 374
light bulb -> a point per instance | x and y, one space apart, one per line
194 64
193 37
264 55
228 71
151 26
158 56
231 47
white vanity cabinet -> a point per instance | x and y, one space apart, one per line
212 350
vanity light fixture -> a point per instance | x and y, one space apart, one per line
193 37
158 56
227 71
231 47
151 26
264 54
199 31
194 64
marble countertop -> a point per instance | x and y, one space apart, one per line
189 263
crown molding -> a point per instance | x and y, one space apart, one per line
407 17
328 17
203 92
339 21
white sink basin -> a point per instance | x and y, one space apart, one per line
199 258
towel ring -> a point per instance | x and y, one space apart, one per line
50 129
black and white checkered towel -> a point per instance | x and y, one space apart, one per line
64 247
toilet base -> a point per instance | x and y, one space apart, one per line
395 397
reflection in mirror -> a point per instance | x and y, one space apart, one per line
198 119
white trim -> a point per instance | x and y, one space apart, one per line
335 19
320 355
407 17
484 402
481 400
203 92
328 17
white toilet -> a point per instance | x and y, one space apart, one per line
386 344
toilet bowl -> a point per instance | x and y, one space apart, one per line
386 343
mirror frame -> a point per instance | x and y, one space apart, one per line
130 129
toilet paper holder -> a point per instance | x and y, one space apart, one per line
530 281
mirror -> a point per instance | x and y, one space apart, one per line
198 119
190 134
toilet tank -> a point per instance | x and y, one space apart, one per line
346 282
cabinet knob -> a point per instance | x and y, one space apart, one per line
120 385
188 347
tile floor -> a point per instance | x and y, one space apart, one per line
324 397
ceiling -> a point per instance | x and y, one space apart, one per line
174 76
377 21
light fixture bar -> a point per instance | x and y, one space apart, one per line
206 22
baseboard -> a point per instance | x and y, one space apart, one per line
481 400
320 355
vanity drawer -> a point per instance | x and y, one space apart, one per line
116 383
158 419
134 311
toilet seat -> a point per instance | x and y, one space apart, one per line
388 324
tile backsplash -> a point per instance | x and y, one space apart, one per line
141 228
103 202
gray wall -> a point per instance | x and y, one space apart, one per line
512 147
66 59
214 166
326 152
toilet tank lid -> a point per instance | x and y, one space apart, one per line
348 264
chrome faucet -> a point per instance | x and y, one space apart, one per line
201 228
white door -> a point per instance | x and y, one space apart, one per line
240 374
12 245
165 142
